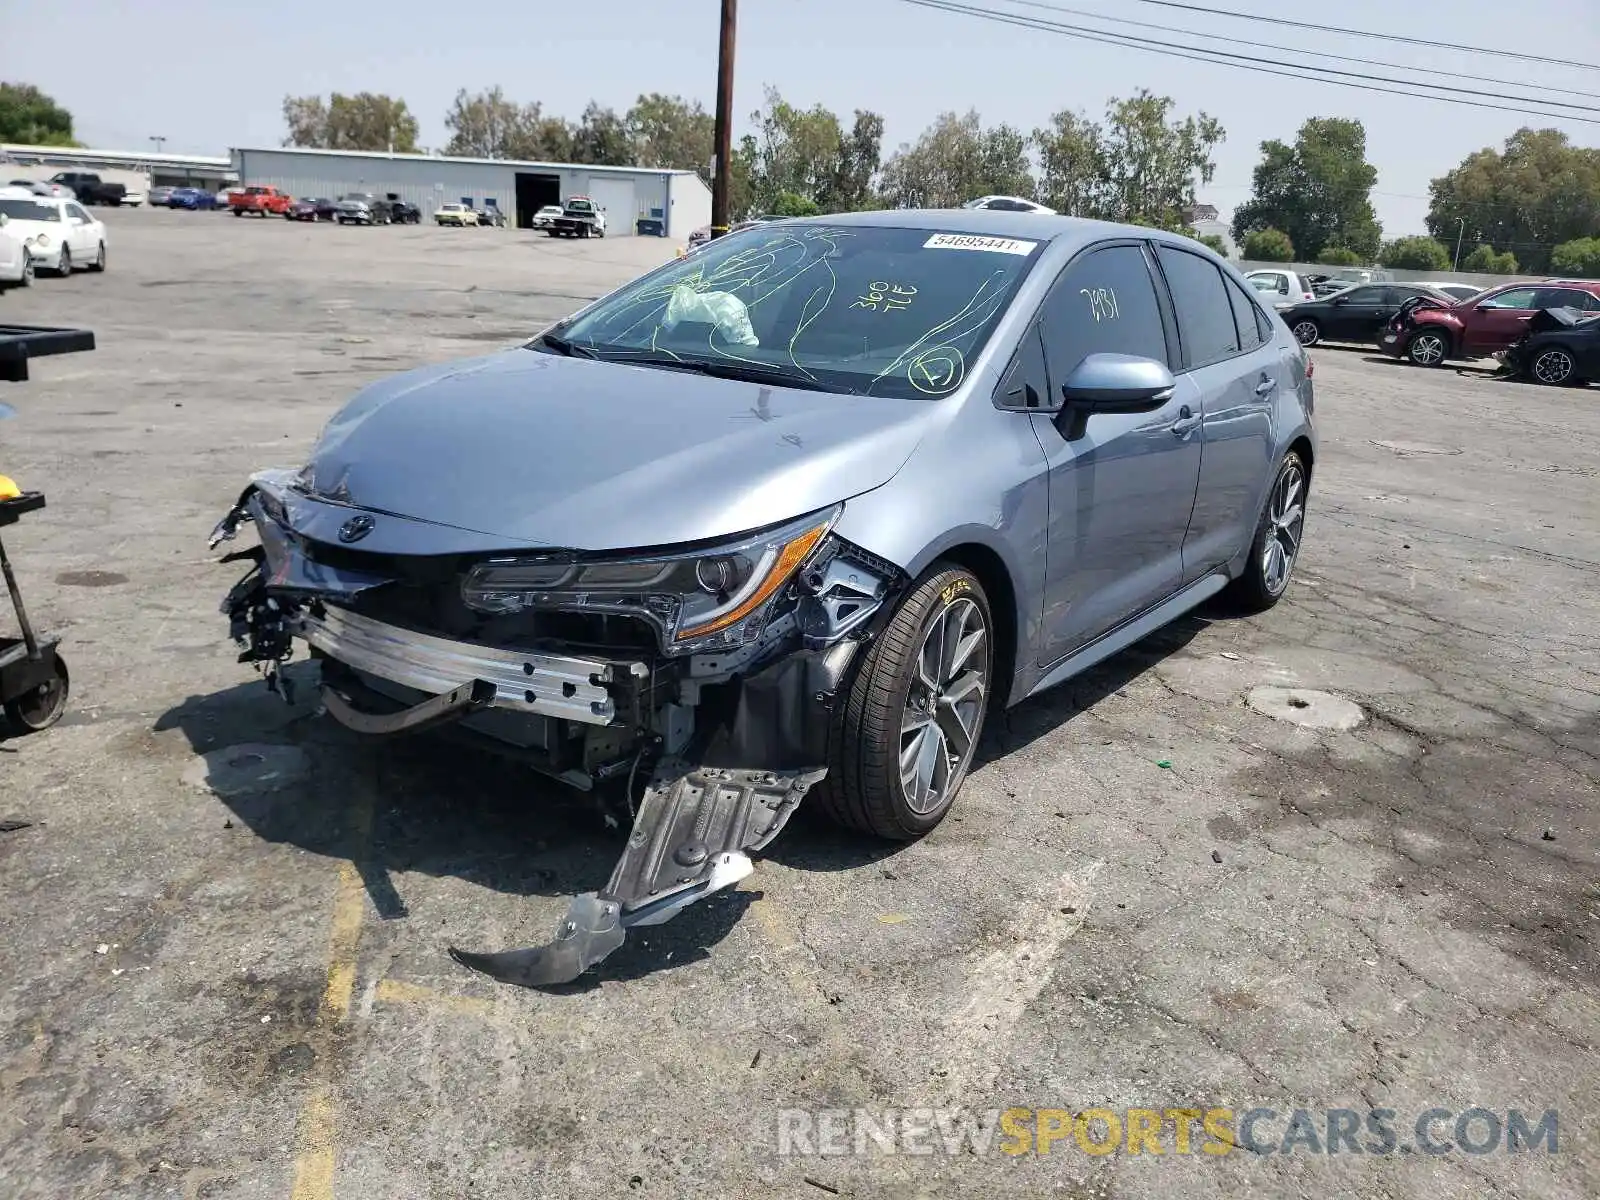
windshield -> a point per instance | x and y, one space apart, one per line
29 210
863 309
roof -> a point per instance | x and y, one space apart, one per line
999 223
450 158
68 156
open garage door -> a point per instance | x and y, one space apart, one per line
615 195
533 193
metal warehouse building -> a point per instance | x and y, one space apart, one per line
636 200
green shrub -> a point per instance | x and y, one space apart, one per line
1338 256
1579 257
1415 254
1268 245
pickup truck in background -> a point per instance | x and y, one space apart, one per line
89 188
262 201
580 217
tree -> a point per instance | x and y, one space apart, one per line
793 150
1072 169
670 132
1485 261
487 125
860 155
1268 245
790 205
30 117
1579 257
1415 254
1152 163
1536 193
1318 191
365 121
955 160
601 138
1339 256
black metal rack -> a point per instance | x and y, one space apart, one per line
33 676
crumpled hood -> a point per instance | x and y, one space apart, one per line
541 449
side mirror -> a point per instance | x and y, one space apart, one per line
1337 300
1112 383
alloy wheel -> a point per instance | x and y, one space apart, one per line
1427 349
1286 516
1553 366
1306 333
944 706
65 266
27 269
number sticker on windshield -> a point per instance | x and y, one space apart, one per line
969 241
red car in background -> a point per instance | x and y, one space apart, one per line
262 201
1427 333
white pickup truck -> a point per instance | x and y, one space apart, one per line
580 217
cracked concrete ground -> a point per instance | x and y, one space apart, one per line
249 998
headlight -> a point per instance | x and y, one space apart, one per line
707 600
41 240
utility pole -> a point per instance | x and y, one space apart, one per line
158 142
721 163
1455 264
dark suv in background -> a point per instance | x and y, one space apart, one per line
1428 334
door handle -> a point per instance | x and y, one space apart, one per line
1267 385
1186 423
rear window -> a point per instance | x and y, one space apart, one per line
1205 315
866 309
29 210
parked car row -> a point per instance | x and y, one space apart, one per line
1547 331
46 233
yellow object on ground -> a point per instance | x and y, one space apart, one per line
8 488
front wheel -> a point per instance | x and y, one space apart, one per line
27 270
99 263
904 733
1276 545
1428 348
64 266
1307 332
1554 367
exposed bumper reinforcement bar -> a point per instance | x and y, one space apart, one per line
547 685
689 840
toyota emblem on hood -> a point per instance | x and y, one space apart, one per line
355 528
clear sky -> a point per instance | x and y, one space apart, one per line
212 75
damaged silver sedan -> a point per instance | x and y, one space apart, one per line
786 518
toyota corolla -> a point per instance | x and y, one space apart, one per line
786 519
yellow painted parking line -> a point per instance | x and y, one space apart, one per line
317 1128
396 991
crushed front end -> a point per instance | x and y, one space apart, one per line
708 672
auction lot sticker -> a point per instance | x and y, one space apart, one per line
971 241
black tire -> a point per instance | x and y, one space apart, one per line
42 707
99 263
1256 590
27 270
1428 347
1554 366
64 269
1306 331
863 789
238 212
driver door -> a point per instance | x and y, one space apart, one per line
1121 488
80 233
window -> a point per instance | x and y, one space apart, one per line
29 210
1104 303
1205 318
1366 295
77 213
1515 298
863 309
1565 298
1246 316
1274 284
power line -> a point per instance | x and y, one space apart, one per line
1258 66
1365 33
1238 41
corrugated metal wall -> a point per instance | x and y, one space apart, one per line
429 182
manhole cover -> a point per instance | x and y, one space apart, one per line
239 770
1303 706
1404 448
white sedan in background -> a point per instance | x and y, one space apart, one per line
16 263
60 235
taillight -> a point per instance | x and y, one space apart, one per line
1311 366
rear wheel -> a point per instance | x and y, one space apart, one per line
1428 348
1307 332
1553 366
904 732
1276 545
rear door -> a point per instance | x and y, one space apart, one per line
1229 355
1496 321
1121 491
